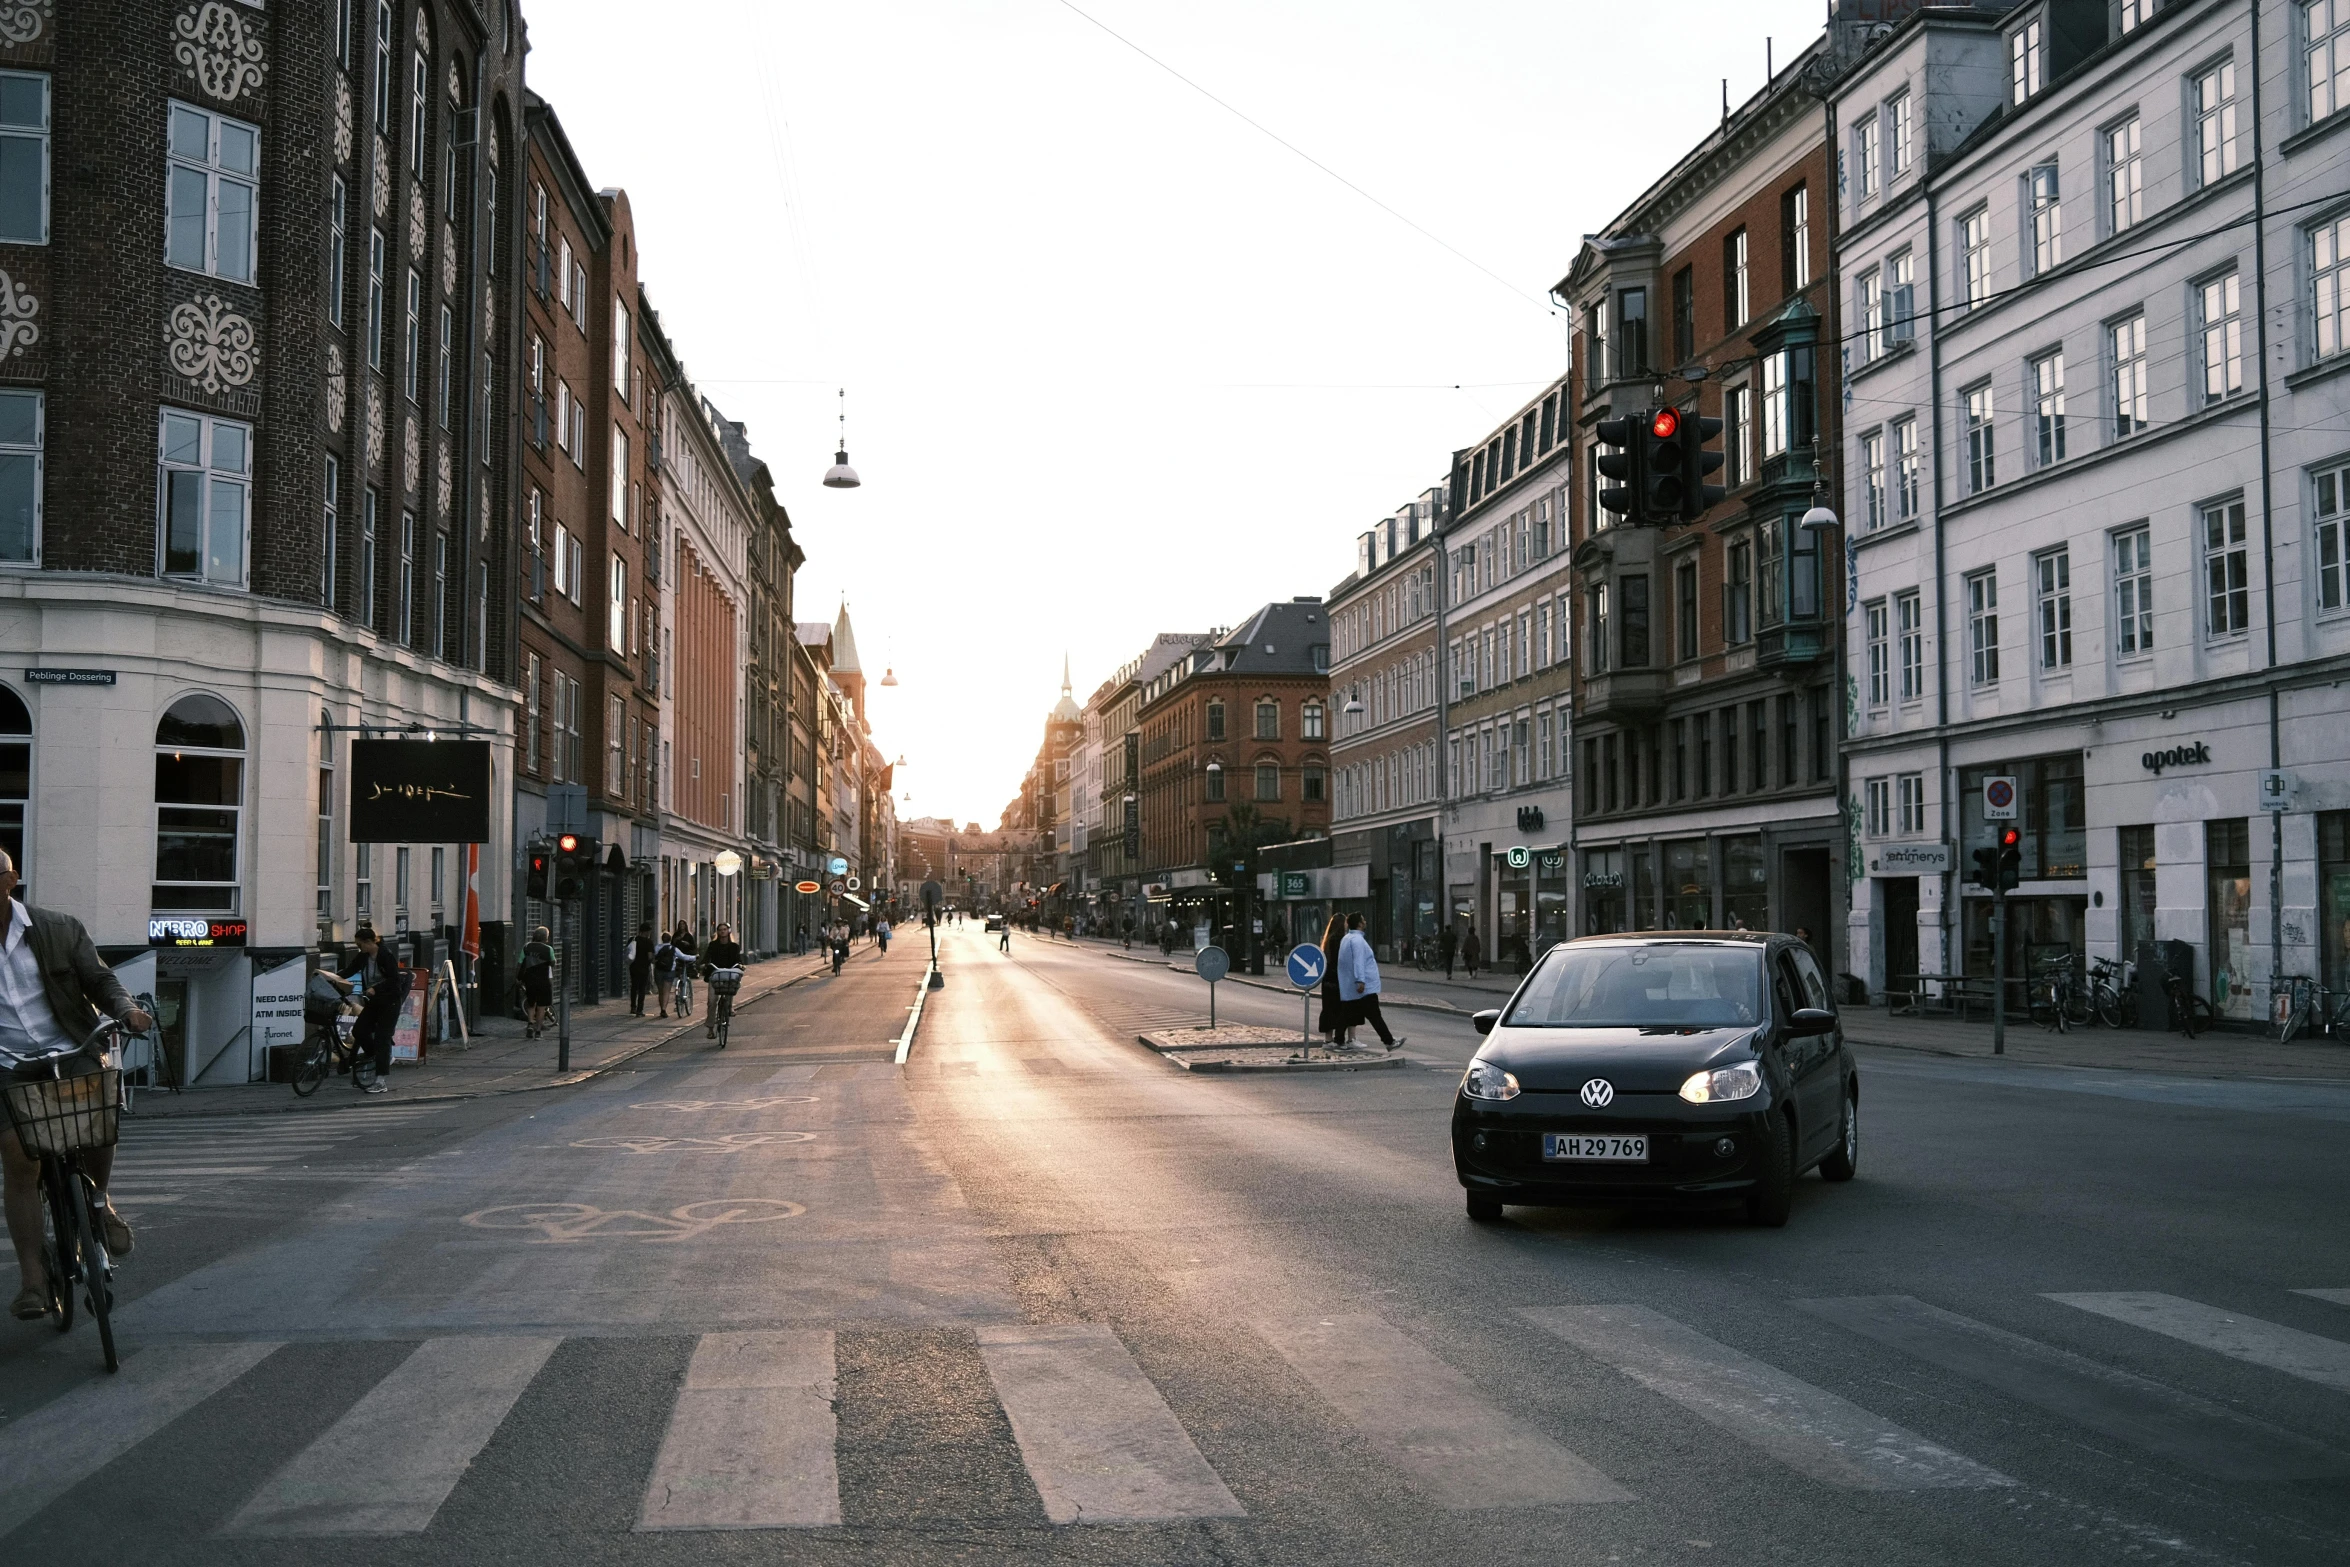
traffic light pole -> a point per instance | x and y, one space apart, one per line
1999 971
562 989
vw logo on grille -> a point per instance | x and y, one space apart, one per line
1599 1092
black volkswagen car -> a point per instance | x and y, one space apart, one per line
1675 1067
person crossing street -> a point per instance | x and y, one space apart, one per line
1358 981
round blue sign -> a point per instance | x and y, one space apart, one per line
1305 965
1211 963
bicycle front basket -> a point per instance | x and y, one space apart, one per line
64 1115
725 981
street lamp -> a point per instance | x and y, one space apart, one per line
840 476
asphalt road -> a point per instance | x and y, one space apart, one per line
1038 1296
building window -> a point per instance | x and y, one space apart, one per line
1795 224
212 181
413 341
440 595
1600 628
1735 296
1737 420
1982 624
1215 721
1909 623
2326 56
2332 510
446 365
205 496
1268 780
2133 15
2215 122
1684 316
2223 339
2054 573
404 585
1880 654
2128 346
2227 583
326 832
1215 794
1631 336
419 94
329 528
370 505
1310 720
615 762
2329 268
1872 479
1635 594
1900 300
1904 135
530 713
2133 591
2125 176
375 299
1869 305
337 246
1880 809
2045 200
383 66
2048 408
2024 62
620 350
1595 363
1905 468
1981 458
1268 720
22 434
24 158
199 806
1738 595
1776 412
1864 158
1684 609
1313 783
1974 245
619 478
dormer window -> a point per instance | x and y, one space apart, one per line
2025 61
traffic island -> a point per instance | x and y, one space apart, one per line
1243 1047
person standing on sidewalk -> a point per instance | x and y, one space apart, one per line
1447 944
664 974
1471 951
641 947
1358 980
537 974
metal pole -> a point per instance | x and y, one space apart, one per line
1211 1004
1999 970
563 994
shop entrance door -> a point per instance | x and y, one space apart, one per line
1898 897
1803 899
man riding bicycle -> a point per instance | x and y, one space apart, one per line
49 973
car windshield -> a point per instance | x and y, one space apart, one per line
1644 985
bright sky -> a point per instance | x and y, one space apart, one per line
1117 363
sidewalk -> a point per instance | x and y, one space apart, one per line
499 1060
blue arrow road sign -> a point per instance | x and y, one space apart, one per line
1305 965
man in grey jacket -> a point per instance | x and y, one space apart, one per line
52 986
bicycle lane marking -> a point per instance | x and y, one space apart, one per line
562 1223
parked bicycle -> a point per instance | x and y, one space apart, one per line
329 1050
683 1000
2058 1001
2113 993
724 982
2313 1006
2190 1014
58 1120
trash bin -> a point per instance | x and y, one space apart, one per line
2157 961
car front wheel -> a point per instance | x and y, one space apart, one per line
1483 1208
1844 1162
1774 1187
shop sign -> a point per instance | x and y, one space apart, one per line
838 866
1520 857
1529 818
2196 755
807 889
1912 859
1550 860
1603 881
1297 884
420 791
69 677
194 930
277 1006
2276 789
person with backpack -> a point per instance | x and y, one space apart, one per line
640 967
664 972
537 974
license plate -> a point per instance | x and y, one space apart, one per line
1583 1146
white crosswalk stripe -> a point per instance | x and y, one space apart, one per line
2338 1297
1098 1440
1808 1428
750 1439
157 1155
1429 1421
2309 1356
387 1465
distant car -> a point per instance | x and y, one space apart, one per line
995 922
1675 1068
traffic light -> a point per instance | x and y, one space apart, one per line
575 863
1662 464
1619 459
2011 860
1986 869
1699 458
536 885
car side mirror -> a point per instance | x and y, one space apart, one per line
1483 1021
1811 1020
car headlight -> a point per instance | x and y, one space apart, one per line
1484 1080
1723 1084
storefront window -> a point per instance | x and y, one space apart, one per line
2227 858
1603 892
2135 917
199 799
1689 885
1513 930
2333 893
1550 900
1643 910
2050 812
1746 889
16 775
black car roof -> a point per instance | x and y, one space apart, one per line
1711 937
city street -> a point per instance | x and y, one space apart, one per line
1039 1296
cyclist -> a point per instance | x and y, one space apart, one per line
722 952
384 979
538 979
52 986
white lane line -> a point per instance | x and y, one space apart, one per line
2338 1297
2187 1430
1429 1421
1098 1440
394 1457
56 1447
750 1439
162 1172
1807 1428
2325 1361
142 1199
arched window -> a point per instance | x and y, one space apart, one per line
199 805
16 774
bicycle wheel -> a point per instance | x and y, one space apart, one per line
2182 1012
2295 1020
62 1247
2079 1008
724 1007
2107 1005
362 1066
2040 1006
2204 1017
97 1281
311 1071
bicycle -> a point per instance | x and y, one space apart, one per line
684 999
57 1120
2190 1014
724 982
2057 1002
2313 1004
2113 993
332 1050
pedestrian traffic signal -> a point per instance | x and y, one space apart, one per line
536 883
1619 459
2011 860
1699 458
1662 463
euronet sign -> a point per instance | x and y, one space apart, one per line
2196 755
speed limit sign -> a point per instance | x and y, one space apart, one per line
1999 799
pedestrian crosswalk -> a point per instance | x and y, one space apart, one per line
159 1158
754 1421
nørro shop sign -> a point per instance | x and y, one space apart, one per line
2195 755
420 791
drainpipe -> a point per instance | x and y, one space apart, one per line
1941 648
2268 568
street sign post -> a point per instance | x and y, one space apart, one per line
1212 964
1306 966
932 896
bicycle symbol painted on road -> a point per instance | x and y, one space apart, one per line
560 1223
768 1103
731 1142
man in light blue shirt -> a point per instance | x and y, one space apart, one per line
1358 980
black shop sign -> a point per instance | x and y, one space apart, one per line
420 791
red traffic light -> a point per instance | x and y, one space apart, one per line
1665 424
568 843
2009 838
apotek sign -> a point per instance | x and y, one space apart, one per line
2195 755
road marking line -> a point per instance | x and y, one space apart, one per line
2190 1431
64 1442
2338 1297
750 1439
1429 1420
1808 1428
393 1458
2325 1361
1098 1440
119 1197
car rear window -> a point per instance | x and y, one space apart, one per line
1648 985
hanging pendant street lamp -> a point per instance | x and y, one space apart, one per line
840 476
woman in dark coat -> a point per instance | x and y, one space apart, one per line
1338 1014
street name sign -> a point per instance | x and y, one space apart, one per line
1305 965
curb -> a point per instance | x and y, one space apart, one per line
2200 1074
1176 1057
914 1017
1254 983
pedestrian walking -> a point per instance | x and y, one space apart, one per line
1447 944
1358 983
664 973
1471 950
641 948
1336 1017
881 933
1004 942
537 973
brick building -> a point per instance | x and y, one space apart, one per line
255 384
